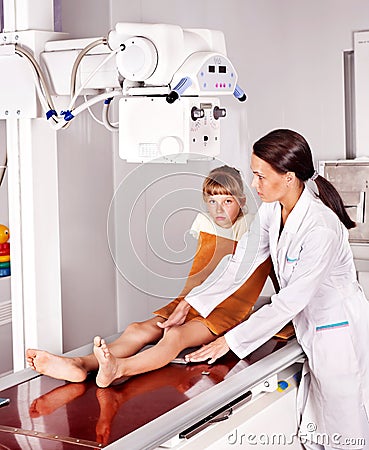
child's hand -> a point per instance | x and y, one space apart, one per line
210 352
177 317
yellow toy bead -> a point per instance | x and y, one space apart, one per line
4 234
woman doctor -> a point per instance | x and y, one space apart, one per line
306 235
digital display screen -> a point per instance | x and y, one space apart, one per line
212 69
222 69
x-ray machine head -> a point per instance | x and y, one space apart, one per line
169 82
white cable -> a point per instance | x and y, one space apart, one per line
46 107
100 122
105 115
81 54
92 101
44 95
23 52
95 100
92 74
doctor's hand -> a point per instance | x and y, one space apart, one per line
210 352
177 317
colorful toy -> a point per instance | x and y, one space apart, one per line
4 251
4 234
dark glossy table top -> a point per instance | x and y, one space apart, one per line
67 416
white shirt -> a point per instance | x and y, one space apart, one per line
204 222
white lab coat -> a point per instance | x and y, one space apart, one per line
319 292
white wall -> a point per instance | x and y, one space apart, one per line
288 54
4 219
5 308
87 270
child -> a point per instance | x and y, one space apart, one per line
218 232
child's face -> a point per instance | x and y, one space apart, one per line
223 209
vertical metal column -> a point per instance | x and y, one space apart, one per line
15 220
349 92
33 210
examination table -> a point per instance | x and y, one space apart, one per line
164 407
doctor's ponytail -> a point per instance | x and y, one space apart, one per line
288 151
331 198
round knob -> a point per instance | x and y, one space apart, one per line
219 112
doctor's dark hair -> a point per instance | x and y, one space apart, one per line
225 180
288 151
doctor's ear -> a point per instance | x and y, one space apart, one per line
290 176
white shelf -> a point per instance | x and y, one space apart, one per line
4 289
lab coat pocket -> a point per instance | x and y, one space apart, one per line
334 356
291 260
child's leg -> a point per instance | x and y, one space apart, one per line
136 336
75 369
175 339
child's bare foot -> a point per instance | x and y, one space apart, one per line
108 364
54 366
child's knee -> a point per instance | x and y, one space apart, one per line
143 331
136 329
134 326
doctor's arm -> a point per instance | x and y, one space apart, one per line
316 259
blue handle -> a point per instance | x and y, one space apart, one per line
239 94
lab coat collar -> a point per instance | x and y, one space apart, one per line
299 211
